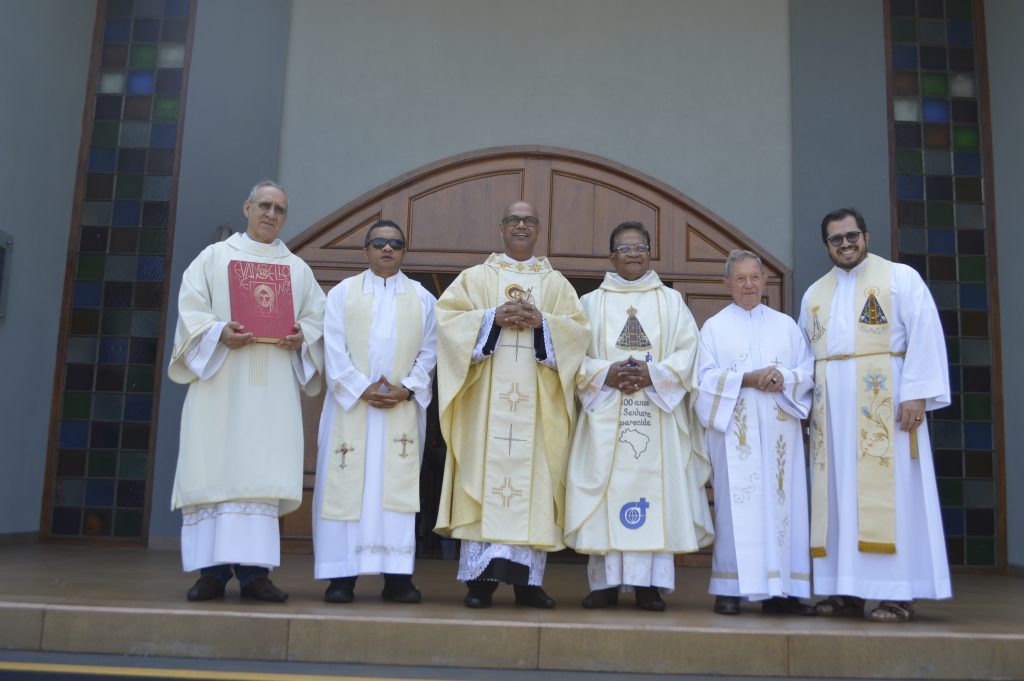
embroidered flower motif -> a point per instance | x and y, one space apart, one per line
874 383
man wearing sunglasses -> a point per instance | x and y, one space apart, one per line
635 489
379 356
880 365
511 335
240 457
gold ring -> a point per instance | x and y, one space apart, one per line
917 418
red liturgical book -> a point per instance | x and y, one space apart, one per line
261 299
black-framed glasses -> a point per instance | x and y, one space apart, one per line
381 242
837 240
626 249
266 206
513 220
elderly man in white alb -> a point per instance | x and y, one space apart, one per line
240 457
756 374
880 354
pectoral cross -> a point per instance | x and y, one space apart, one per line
514 397
776 362
517 346
507 492
404 440
509 439
343 449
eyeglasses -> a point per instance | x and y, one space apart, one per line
514 220
380 242
626 249
837 240
266 206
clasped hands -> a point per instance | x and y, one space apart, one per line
768 379
233 337
518 314
383 395
628 376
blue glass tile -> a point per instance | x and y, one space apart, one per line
138 407
953 520
117 30
176 8
913 240
910 187
151 268
168 81
86 294
73 434
941 241
935 110
961 33
967 163
99 493
126 214
973 296
954 380
140 82
904 56
150 8
102 160
146 31
113 350
163 136
978 435
946 434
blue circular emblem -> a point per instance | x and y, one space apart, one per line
633 514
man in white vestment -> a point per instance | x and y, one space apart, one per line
379 360
756 376
511 335
880 365
635 485
240 458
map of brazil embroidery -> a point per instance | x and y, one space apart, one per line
636 440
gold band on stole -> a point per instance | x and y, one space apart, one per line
876 408
343 491
510 442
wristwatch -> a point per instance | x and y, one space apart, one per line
411 395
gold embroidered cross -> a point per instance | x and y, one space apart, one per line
343 449
507 492
536 267
404 440
514 397
517 346
509 439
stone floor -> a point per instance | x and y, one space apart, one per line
127 601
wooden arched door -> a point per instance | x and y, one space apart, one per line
450 212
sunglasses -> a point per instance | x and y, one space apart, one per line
513 220
837 240
380 242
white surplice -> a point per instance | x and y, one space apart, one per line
919 568
761 528
380 541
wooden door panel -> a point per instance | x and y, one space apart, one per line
462 217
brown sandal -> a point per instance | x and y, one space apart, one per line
840 606
893 611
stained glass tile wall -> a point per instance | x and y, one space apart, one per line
937 108
119 247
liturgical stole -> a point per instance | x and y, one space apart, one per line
875 407
343 493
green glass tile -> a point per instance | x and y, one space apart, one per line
133 466
951 492
153 242
82 350
931 32
128 187
104 133
116 322
981 551
904 31
127 523
102 464
142 57
965 136
76 405
90 266
972 268
959 10
976 351
119 8
940 214
165 109
107 407
934 84
953 350
978 407
908 161
980 494
69 492
140 379
970 216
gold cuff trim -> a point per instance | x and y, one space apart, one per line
817 552
875 547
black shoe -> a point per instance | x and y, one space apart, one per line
262 589
649 598
791 605
602 598
340 590
479 595
533 597
400 589
727 605
206 588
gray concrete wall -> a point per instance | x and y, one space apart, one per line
40 130
230 142
840 128
692 92
1003 19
